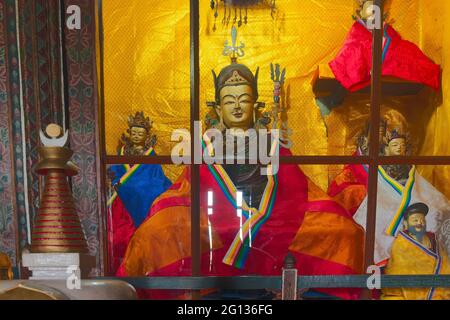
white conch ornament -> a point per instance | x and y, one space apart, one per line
54 142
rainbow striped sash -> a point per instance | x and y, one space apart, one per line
436 255
405 192
253 219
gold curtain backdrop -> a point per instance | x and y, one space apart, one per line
147 68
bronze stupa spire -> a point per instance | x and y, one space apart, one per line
57 227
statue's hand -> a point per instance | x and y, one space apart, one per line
138 150
116 186
112 176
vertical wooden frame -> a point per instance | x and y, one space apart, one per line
195 116
101 136
374 143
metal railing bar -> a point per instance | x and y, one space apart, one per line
418 160
274 282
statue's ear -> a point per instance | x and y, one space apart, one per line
256 83
215 84
218 109
214 76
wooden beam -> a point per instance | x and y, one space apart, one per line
319 160
275 282
195 116
377 47
101 153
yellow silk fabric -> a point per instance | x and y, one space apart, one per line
147 62
341 239
408 259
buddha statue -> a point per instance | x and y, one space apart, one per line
249 222
236 108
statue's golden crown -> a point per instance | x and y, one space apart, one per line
140 121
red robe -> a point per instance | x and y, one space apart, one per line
401 59
120 230
294 216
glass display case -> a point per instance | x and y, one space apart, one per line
348 95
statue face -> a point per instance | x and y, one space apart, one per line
138 136
366 13
417 224
236 106
396 147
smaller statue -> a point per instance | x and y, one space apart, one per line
135 186
399 185
138 139
395 140
416 251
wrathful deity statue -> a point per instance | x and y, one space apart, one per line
417 252
249 221
401 59
135 186
398 187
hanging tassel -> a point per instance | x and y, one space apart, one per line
240 17
224 20
216 14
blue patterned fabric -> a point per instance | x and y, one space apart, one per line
140 189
